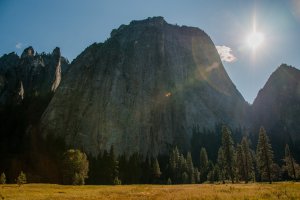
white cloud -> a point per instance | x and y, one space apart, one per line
19 45
226 53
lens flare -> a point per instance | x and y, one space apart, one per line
255 39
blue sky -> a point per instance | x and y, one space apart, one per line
73 25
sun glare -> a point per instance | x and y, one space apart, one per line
255 39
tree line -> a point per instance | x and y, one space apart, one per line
235 162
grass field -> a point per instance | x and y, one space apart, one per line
286 190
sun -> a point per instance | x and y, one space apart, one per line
255 39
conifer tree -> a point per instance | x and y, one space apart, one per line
196 175
247 158
240 163
182 164
244 161
221 164
264 156
203 159
174 164
228 152
21 179
156 169
203 164
190 167
2 178
290 163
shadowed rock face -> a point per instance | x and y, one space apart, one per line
277 105
277 108
143 90
27 84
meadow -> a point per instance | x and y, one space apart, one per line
253 191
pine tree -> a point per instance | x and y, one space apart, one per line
156 169
203 159
290 163
247 158
2 178
21 179
240 163
190 167
244 161
264 156
174 165
182 164
228 152
216 173
203 164
221 164
196 175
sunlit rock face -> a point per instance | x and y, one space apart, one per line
143 90
31 75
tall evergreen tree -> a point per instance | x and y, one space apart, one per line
182 171
196 175
240 162
264 156
156 169
221 164
244 161
174 165
228 152
290 163
190 167
248 161
203 165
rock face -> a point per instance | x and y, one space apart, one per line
27 84
143 90
277 107
29 76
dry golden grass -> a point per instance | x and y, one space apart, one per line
257 191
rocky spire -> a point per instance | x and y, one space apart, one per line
28 52
57 78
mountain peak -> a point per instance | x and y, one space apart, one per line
56 52
279 99
284 68
28 52
159 20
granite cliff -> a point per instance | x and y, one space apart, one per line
143 90
277 108
27 84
